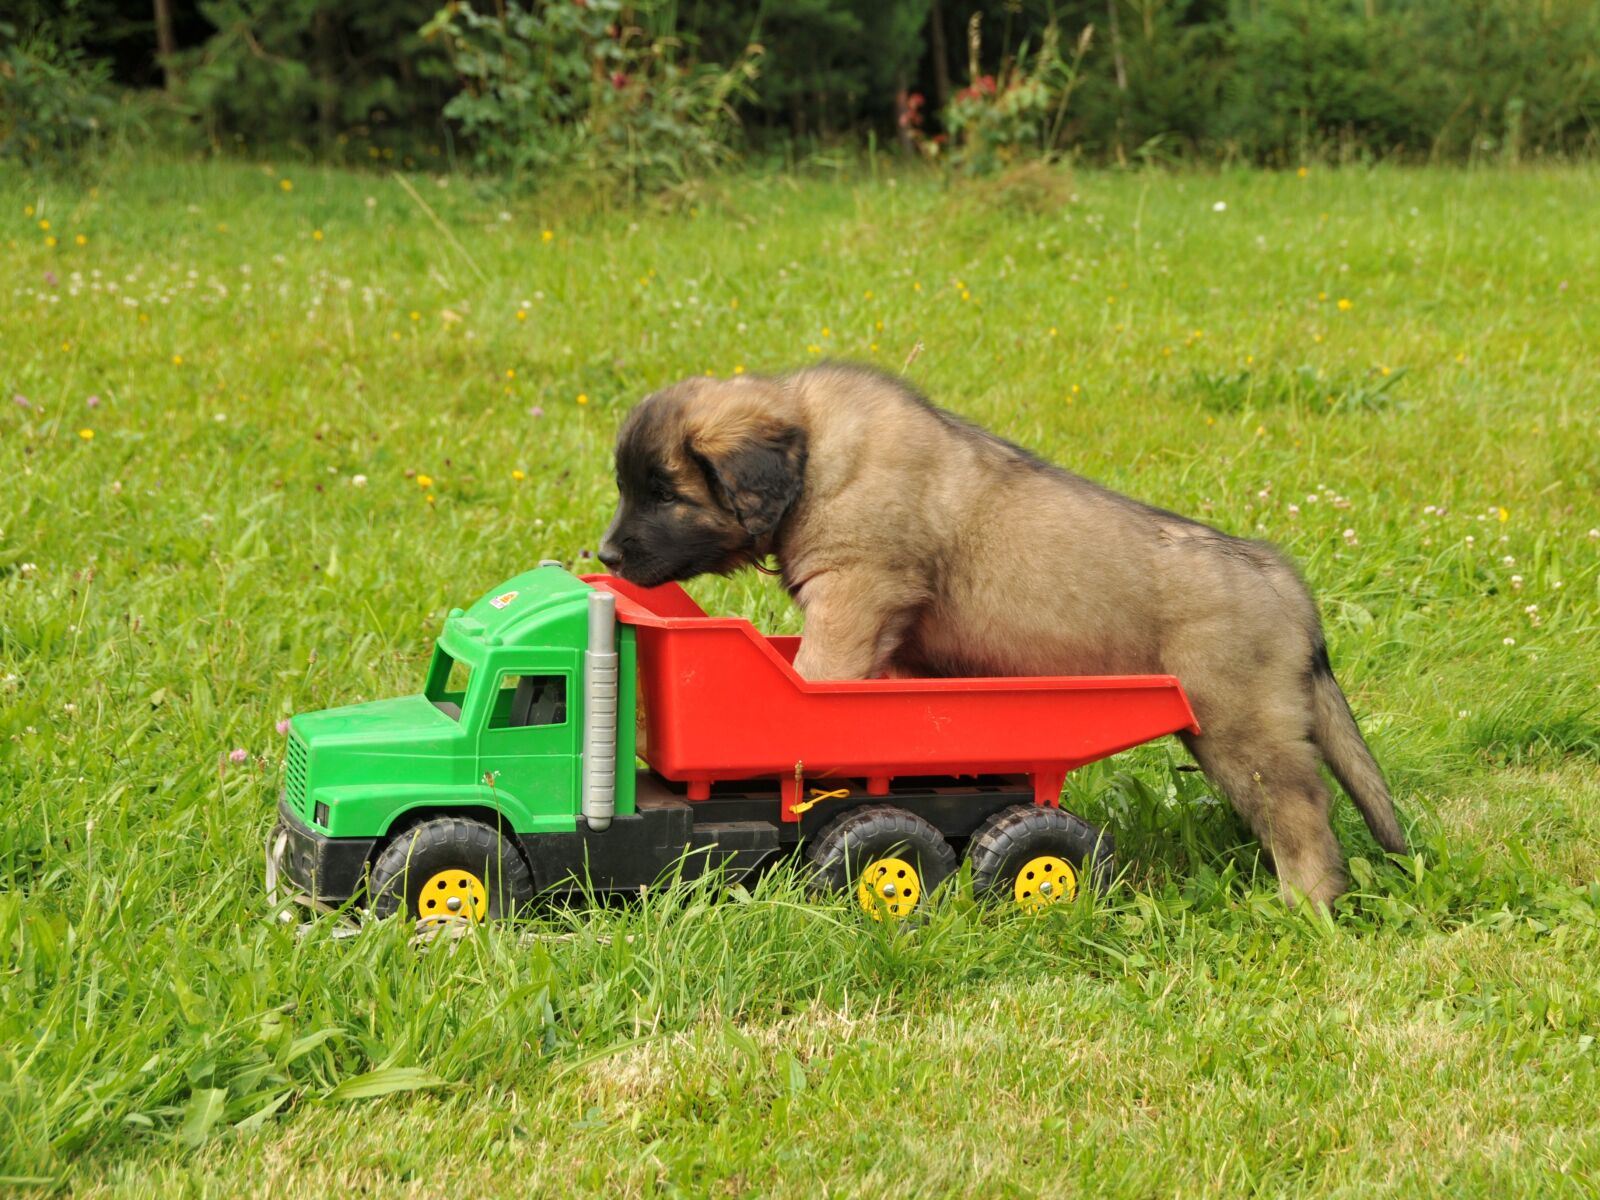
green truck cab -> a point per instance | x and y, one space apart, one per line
494 745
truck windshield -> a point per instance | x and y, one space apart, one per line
447 683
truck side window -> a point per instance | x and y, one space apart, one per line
447 684
530 700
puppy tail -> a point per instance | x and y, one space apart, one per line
1334 729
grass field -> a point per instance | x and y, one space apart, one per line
261 427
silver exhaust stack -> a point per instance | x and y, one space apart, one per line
600 713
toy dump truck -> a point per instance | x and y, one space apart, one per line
515 771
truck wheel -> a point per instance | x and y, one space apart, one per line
892 858
1034 857
450 867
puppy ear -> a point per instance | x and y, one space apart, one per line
755 469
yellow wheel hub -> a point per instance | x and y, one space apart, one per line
889 886
1044 880
453 893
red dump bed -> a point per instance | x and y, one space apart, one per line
721 701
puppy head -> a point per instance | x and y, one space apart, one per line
706 472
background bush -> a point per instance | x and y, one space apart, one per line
523 87
556 86
55 97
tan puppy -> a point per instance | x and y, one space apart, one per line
918 544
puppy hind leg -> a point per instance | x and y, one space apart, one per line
1281 796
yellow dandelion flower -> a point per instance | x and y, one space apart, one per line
1345 305
286 184
1317 337
739 369
28 212
51 240
1303 172
65 347
734 303
1248 359
81 240
1503 514
1322 295
1211 420
583 398
86 434
813 349
874 347
867 295
511 373
916 287
425 482
1461 358
965 295
1383 370
1076 389
522 314
549 235
1052 331
879 326
415 315
429 497
518 474
44 224
395 335
1261 431
316 235
177 360
826 332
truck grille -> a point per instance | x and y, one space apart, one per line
295 774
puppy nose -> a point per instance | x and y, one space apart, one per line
609 554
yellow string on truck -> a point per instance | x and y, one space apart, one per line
817 794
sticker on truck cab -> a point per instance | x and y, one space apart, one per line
503 599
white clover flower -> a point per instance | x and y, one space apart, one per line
359 481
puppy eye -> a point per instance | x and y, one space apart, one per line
662 493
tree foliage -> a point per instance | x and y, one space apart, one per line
513 84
